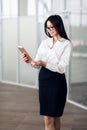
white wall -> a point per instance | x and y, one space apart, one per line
21 31
23 7
0 39
29 41
9 49
0 49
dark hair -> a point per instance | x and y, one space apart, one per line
57 22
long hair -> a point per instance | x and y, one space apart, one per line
57 22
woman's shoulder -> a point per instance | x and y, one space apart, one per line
67 42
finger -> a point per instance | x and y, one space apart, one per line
32 62
37 63
23 55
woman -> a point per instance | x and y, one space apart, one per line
52 57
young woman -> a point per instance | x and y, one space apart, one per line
52 58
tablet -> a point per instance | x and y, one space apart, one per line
23 50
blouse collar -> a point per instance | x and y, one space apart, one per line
50 43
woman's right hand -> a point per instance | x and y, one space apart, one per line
29 60
25 57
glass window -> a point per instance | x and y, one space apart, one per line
73 5
47 5
75 19
84 4
0 7
9 8
78 12
44 9
84 19
31 7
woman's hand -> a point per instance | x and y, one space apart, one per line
26 58
33 63
38 63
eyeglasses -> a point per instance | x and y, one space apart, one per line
50 28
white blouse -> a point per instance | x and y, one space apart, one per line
56 57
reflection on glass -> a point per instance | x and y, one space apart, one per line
9 8
18 7
78 90
31 7
26 7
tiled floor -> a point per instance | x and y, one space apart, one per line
19 110
78 93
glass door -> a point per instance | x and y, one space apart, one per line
78 31
0 49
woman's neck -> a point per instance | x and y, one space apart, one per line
56 38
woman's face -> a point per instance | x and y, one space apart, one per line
51 29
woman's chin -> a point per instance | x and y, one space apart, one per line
51 35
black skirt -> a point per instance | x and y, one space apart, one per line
52 93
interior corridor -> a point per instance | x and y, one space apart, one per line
19 110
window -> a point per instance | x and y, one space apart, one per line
9 8
78 12
44 9
73 5
31 7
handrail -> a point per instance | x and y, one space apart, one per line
77 55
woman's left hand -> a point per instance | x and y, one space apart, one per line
38 63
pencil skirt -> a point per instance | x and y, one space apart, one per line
52 93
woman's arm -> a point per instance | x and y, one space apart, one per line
61 65
29 60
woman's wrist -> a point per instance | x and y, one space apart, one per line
44 64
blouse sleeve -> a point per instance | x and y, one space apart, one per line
61 65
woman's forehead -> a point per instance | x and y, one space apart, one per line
49 23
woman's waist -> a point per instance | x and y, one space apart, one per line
44 72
